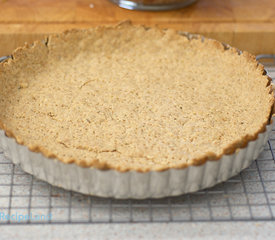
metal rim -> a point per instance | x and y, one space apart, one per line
152 7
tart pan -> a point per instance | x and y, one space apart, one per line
133 184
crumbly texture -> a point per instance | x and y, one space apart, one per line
133 98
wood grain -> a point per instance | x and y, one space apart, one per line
246 24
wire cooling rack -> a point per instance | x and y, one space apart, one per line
246 197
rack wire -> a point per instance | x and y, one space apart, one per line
249 196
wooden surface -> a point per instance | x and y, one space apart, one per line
246 24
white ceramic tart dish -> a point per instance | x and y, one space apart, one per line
133 112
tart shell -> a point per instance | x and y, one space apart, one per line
240 143
101 179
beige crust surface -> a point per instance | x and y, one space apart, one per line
133 98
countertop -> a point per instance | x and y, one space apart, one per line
245 24
236 230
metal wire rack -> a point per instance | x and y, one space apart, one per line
248 196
